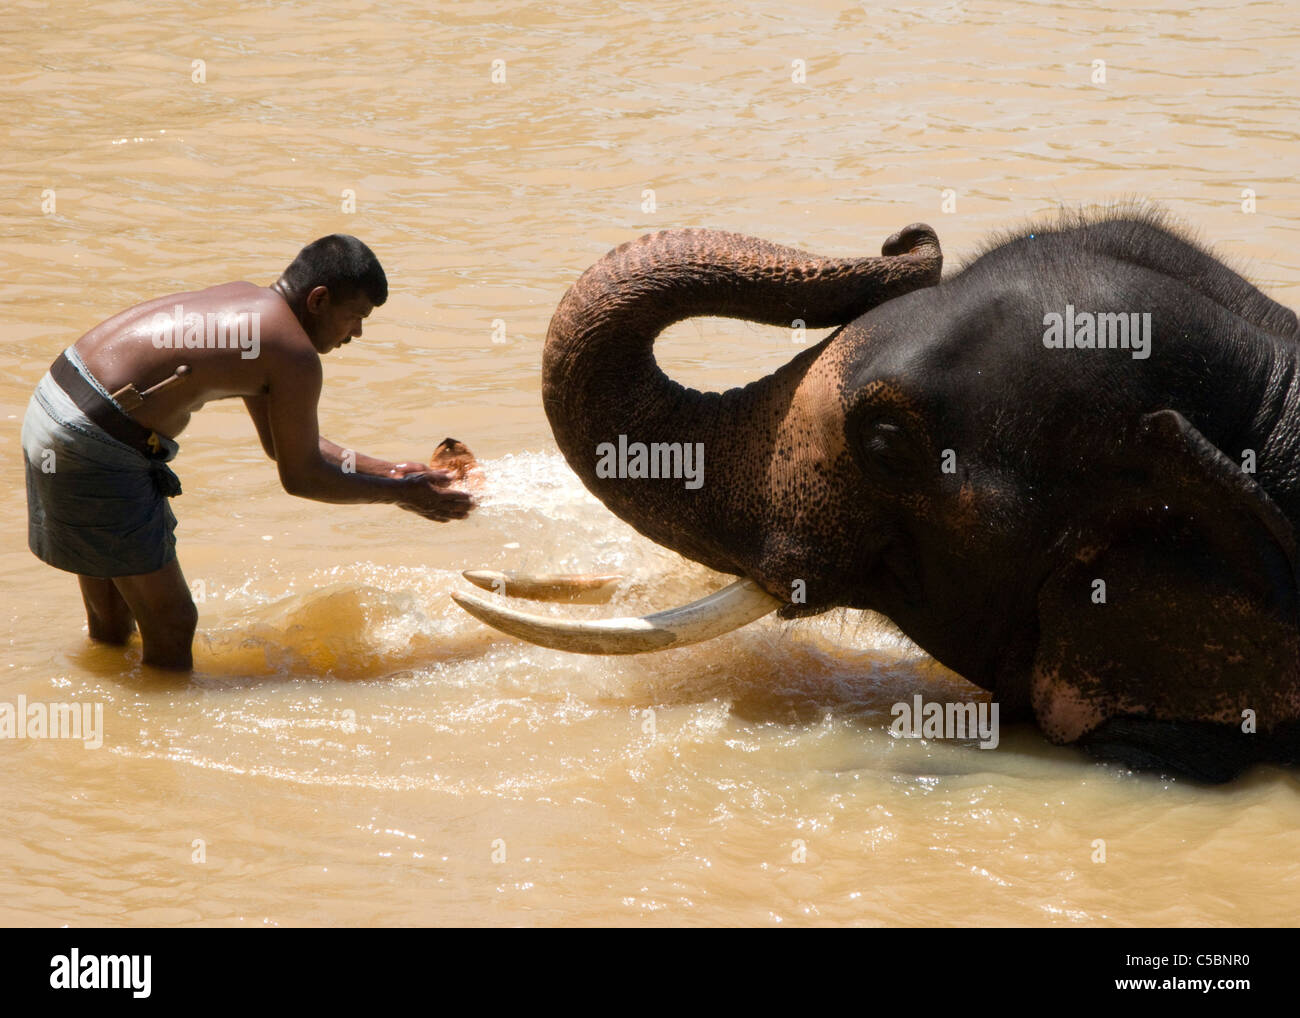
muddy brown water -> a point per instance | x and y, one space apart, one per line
352 749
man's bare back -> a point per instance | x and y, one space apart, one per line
128 348
262 344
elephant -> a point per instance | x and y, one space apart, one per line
1069 471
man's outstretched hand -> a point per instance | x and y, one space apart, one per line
429 494
431 491
406 469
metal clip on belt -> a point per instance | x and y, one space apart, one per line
102 411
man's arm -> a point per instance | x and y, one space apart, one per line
259 411
360 463
292 438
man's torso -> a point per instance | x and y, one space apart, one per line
219 334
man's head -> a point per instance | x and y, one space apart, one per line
332 286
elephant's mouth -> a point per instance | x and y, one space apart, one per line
734 606
725 610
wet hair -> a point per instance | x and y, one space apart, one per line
1140 234
341 264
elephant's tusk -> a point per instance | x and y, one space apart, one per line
586 588
735 605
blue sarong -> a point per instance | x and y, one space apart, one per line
95 506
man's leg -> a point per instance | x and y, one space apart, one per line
107 614
166 615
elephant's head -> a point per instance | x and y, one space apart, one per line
795 482
1070 529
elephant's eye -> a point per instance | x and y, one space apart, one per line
882 435
886 448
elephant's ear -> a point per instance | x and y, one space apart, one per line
1169 636
1198 476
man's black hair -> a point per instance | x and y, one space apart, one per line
343 265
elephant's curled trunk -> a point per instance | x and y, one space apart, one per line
601 382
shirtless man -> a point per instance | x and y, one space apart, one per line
97 480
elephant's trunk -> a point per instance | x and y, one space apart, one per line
605 395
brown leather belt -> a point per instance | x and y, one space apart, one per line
103 411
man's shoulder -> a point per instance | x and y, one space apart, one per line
245 296
222 299
289 351
281 346
280 331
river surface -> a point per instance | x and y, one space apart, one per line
352 749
